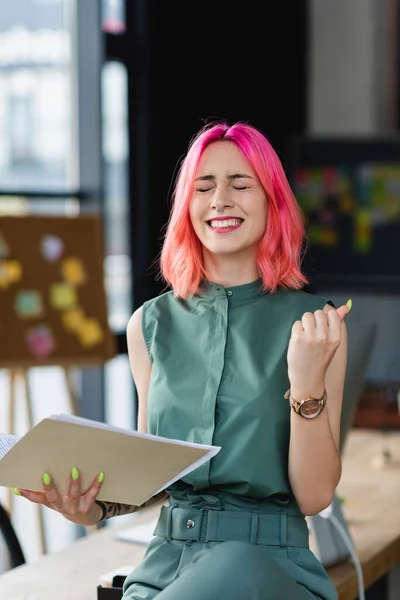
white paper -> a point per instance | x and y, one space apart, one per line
138 534
6 443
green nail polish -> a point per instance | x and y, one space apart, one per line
16 492
101 477
349 304
75 473
46 479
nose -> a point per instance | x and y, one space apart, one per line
220 199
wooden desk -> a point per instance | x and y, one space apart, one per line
372 507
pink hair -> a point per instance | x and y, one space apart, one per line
279 251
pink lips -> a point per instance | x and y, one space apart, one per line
224 229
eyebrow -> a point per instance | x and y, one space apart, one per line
230 177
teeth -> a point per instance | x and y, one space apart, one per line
226 223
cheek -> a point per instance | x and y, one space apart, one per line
262 221
196 210
195 215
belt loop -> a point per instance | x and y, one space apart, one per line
212 529
254 527
283 532
169 522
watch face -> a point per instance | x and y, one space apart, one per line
310 409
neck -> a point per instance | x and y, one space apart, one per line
229 271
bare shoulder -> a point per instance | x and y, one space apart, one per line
134 328
140 364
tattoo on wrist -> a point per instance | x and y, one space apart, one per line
103 508
114 509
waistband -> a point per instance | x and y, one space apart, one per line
198 525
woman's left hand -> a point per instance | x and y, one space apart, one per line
312 346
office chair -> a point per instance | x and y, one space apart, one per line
16 556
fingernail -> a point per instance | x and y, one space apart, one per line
16 492
46 479
75 473
101 477
349 304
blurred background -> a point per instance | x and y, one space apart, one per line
98 102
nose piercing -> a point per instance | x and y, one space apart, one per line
221 210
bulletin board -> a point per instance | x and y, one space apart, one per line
349 192
53 308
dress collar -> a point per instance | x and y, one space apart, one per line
236 293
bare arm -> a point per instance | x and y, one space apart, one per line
314 460
141 369
114 509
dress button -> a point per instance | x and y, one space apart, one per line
230 293
189 523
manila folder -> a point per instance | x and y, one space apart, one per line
136 466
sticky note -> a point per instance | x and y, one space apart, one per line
14 269
40 340
73 319
73 271
4 249
10 272
63 296
29 304
52 248
90 333
4 276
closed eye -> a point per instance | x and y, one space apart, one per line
240 188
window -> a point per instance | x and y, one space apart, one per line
38 142
116 201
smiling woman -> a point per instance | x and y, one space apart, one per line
232 172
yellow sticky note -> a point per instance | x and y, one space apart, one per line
73 319
63 296
4 277
73 271
90 333
14 269
10 272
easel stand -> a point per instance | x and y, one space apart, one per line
21 375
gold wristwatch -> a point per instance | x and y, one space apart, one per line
310 407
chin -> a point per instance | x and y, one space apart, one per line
225 249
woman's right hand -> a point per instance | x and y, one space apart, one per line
76 506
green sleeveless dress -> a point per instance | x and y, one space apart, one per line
233 528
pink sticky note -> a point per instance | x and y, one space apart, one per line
40 341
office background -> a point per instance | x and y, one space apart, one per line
98 101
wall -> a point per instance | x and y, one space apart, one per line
352 89
352 62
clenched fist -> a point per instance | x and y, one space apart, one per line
312 346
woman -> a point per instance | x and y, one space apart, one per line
212 361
